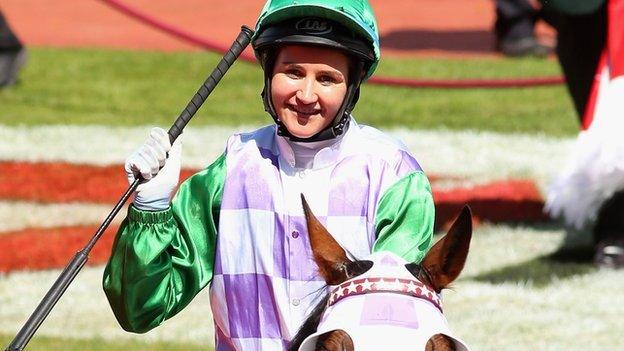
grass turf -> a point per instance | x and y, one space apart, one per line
113 87
45 343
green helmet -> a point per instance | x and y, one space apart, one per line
355 15
345 25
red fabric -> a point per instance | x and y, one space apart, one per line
615 37
588 115
613 56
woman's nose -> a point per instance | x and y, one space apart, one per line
306 93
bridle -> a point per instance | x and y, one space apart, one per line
372 285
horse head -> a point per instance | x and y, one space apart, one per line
383 301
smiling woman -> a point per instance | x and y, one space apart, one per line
308 87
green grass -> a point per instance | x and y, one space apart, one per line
46 343
112 87
519 292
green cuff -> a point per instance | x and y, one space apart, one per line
149 217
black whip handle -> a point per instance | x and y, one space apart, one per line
241 42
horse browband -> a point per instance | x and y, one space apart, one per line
410 287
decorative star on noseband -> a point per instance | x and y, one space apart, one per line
410 287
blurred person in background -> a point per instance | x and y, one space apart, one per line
589 193
515 28
12 54
581 32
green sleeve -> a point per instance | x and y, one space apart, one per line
404 218
161 260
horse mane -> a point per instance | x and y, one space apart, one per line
310 325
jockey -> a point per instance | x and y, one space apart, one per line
238 225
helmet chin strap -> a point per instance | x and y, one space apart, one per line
341 121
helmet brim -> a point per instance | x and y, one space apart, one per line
358 22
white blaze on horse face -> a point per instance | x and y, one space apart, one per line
379 310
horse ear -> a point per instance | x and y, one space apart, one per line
335 340
446 259
329 256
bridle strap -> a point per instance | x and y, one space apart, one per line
363 286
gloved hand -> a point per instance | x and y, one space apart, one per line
154 192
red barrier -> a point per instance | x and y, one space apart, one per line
388 81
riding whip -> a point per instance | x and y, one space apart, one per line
80 259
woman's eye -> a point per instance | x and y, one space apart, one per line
326 80
293 73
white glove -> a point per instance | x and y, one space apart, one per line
154 192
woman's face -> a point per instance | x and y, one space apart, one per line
308 86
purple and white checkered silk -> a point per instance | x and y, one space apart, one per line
265 281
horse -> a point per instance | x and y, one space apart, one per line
383 301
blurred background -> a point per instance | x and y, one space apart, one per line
480 103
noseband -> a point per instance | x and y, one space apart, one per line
410 287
